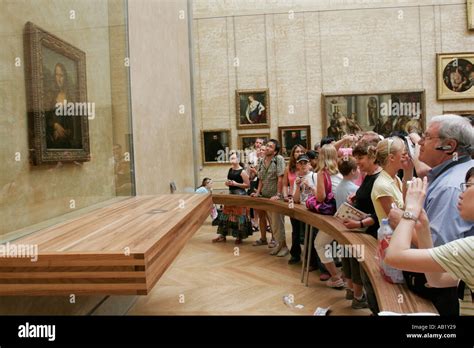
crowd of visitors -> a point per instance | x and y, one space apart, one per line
422 183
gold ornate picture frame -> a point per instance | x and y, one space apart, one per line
455 75
294 135
247 141
381 112
55 73
252 108
215 146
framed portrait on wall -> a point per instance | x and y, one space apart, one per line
58 111
247 141
470 14
455 75
294 135
252 108
215 146
379 112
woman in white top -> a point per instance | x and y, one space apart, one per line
443 265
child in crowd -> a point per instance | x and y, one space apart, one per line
349 171
328 168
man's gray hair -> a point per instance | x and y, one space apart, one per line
455 127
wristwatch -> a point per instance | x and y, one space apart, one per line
409 215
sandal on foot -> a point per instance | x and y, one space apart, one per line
219 239
276 250
273 243
260 242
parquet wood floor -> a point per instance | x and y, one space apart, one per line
208 279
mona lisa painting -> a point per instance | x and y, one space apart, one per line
58 112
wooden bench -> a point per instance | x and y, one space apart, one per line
390 297
122 249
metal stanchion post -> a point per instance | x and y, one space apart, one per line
304 251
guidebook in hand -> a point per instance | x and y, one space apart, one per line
347 211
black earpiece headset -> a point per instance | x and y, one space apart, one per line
466 148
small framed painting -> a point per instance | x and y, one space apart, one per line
215 146
455 76
253 108
247 141
294 135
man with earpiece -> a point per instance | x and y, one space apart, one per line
445 150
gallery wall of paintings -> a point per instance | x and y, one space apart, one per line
330 67
64 110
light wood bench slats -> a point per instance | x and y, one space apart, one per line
88 255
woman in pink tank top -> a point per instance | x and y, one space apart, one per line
288 184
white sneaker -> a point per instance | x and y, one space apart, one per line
338 283
283 252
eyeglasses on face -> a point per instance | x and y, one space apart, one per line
466 185
425 136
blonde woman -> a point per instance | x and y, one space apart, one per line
392 156
328 167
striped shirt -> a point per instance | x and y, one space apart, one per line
457 258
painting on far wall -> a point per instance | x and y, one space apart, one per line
215 145
470 14
455 73
294 135
252 108
247 141
58 111
379 112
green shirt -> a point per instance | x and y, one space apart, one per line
269 175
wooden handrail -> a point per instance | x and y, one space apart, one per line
390 297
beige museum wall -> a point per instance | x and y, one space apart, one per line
160 78
119 73
389 45
31 195
160 85
28 194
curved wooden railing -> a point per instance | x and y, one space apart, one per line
390 297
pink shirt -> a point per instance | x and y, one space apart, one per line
291 180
